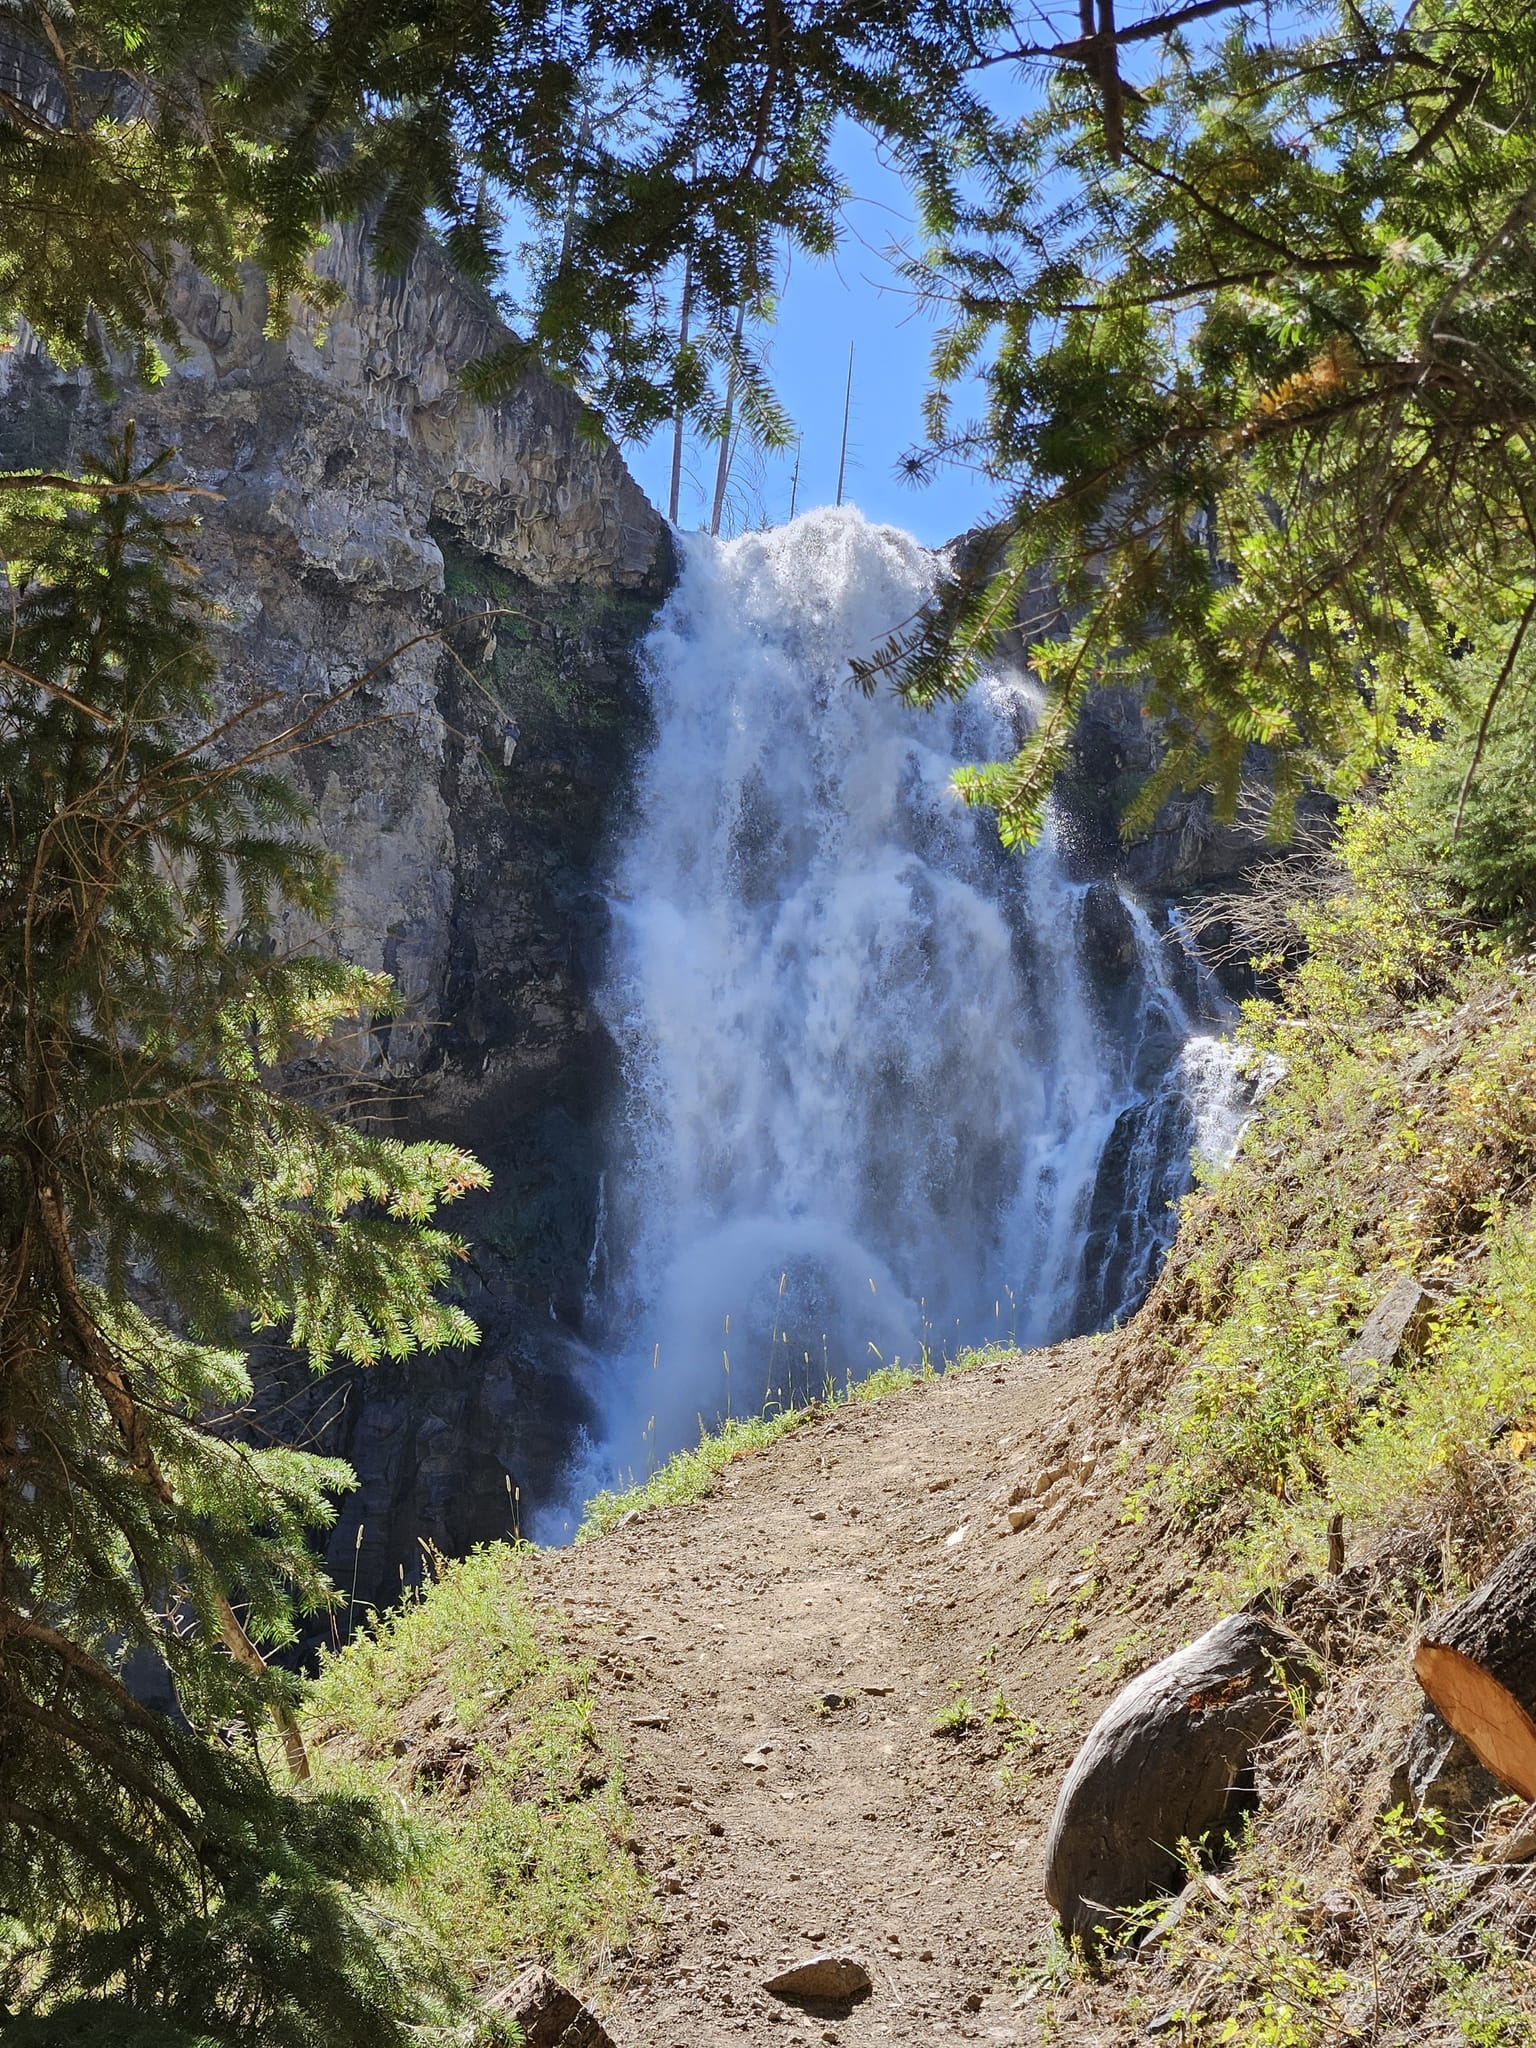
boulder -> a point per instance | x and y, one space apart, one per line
1165 1763
821 1977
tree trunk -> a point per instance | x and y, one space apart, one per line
727 445
1164 1763
679 421
546 2014
1477 1663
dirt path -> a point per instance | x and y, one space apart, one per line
775 1657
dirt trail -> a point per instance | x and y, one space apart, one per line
773 1660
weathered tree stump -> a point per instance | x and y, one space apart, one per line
1438 1770
1164 1763
546 2014
1477 1663
1394 1333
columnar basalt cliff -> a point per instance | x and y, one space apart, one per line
364 506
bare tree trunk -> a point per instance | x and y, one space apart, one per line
1110 83
567 226
727 445
842 458
674 494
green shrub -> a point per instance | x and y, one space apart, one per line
1489 859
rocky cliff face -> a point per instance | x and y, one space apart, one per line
365 502
1115 748
1187 847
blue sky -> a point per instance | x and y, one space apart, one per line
857 297
854 297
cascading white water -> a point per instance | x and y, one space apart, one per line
873 1070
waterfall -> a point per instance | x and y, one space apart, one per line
883 1087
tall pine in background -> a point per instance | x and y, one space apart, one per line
161 1194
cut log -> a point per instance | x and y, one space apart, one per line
1477 1663
1164 1763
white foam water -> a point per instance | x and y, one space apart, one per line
880 1081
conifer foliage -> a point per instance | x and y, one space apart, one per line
1254 327
633 145
160 1196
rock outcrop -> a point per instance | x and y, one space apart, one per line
1115 749
366 508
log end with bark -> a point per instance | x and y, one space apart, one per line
1167 1762
1477 1664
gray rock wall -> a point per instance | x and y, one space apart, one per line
364 501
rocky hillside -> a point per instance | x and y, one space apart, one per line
362 504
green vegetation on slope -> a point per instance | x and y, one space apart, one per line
461 1711
1400 1138
1397 1136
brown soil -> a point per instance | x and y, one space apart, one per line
776 1823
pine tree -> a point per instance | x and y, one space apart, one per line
628 141
1257 360
162 1194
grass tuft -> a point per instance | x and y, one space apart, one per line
463 1711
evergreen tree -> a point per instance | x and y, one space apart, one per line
627 140
162 1194
1257 340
